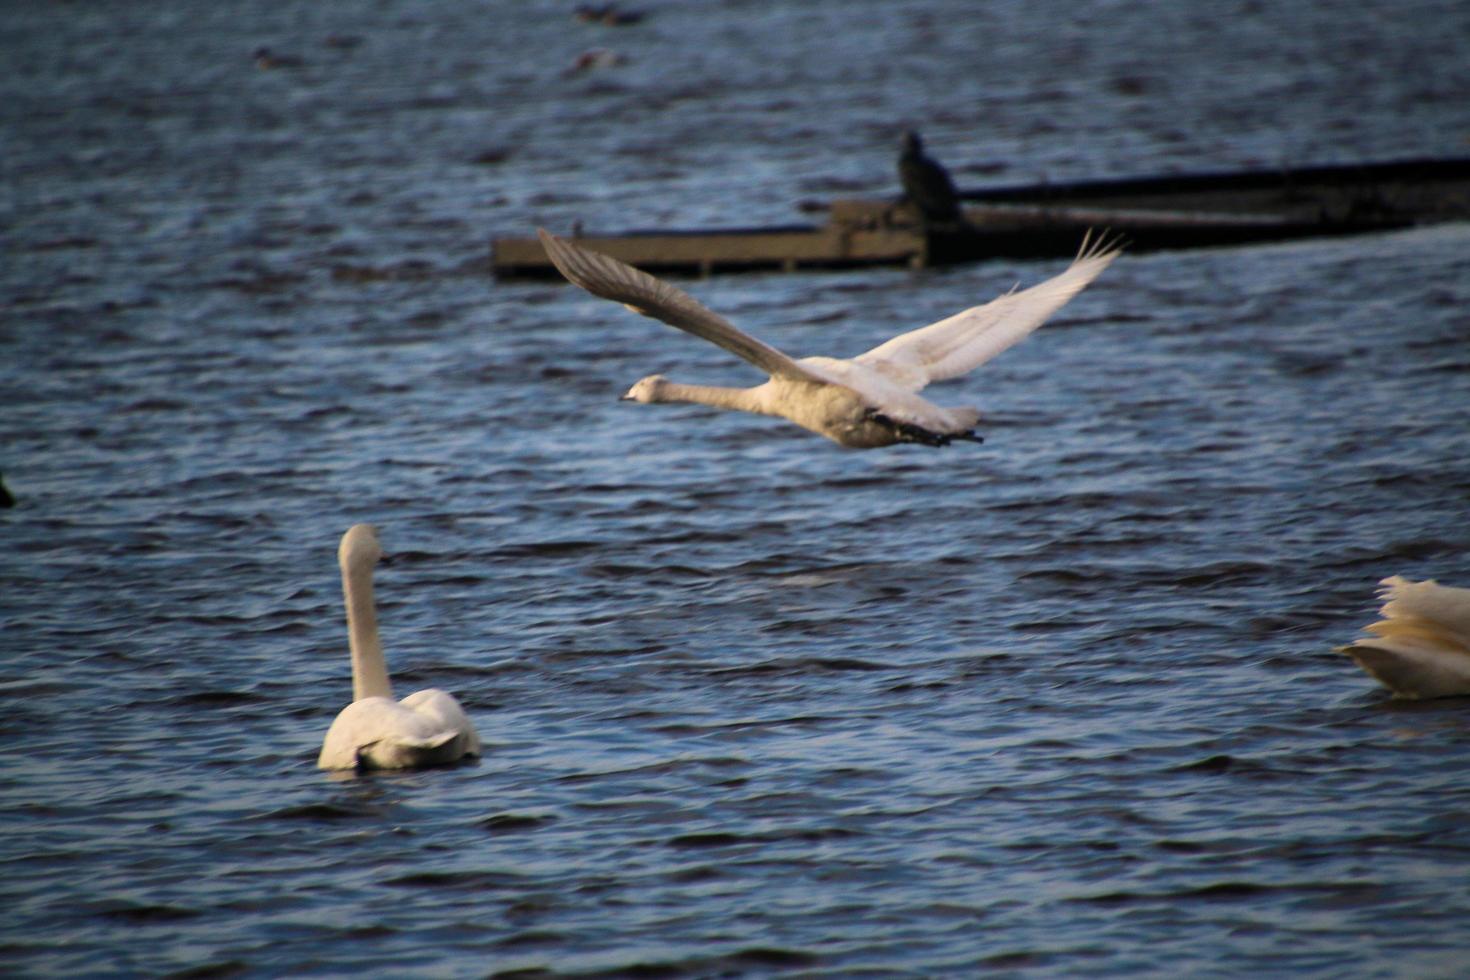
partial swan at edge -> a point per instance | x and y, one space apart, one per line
868 401
427 728
1421 646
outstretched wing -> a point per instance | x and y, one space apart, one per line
961 343
602 275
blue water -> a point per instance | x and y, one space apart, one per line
1064 704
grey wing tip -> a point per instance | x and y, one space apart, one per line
566 257
556 249
599 274
551 244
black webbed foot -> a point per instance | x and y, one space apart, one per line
908 432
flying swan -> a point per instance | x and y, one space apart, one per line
869 401
1421 646
426 728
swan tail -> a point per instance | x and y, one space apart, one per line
401 752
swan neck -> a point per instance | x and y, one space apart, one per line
369 671
732 399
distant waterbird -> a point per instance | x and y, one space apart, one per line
927 185
596 58
607 14
1421 646
426 728
865 402
267 60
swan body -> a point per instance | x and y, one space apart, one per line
864 402
1421 646
426 728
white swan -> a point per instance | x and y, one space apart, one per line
1421 646
375 732
869 401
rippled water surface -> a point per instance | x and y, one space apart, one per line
1064 704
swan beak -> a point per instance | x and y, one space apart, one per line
625 398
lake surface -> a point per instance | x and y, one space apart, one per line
1063 704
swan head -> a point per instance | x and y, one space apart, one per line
360 547
648 390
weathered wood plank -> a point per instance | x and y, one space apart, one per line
704 252
1182 211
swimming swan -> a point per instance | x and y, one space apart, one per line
1421 646
375 732
869 401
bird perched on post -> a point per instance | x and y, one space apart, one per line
927 185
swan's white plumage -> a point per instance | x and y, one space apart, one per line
959 344
375 732
864 402
1421 646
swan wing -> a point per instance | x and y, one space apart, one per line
1445 607
445 714
362 723
960 343
605 276
380 733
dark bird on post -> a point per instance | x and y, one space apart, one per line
927 185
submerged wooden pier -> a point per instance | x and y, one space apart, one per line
1045 220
